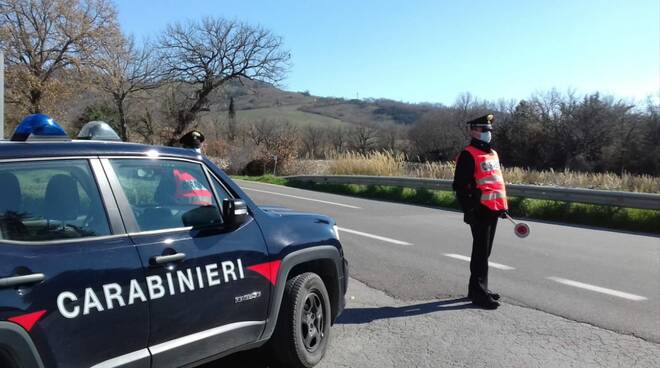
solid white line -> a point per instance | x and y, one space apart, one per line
378 237
499 266
305 198
597 289
257 182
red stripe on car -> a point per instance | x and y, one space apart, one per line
27 321
268 270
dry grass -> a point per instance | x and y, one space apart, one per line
394 164
376 163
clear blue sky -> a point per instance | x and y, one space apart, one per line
432 51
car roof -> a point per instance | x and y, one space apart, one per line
74 148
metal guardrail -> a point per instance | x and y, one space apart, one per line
580 195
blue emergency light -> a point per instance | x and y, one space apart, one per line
38 127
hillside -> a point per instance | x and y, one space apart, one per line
257 100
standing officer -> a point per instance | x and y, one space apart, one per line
480 190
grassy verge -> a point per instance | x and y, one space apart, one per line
618 218
269 179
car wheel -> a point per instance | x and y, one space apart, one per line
303 326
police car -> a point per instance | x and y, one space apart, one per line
115 254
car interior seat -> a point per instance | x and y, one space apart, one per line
161 217
62 200
10 200
11 207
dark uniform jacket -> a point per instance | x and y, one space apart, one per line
465 185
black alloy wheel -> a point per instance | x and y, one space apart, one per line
303 325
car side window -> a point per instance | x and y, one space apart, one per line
164 194
50 200
220 190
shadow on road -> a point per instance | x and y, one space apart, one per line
258 359
246 359
366 315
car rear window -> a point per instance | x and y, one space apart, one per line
50 200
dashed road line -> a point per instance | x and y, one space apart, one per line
372 236
304 198
499 266
597 289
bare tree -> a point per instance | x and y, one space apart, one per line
261 131
41 38
123 70
313 139
389 137
337 137
146 127
363 138
202 56
438 136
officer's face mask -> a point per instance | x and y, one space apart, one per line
485 136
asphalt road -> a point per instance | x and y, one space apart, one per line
604 278
377 330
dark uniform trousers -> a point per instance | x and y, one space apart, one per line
483 233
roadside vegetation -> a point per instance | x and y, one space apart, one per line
396 164
618 218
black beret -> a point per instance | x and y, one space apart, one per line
482 121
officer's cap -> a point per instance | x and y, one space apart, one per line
193 139
485 121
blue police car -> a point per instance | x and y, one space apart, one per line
115 254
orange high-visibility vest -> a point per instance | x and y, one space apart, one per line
489 179
190 191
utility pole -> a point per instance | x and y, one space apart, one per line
2 95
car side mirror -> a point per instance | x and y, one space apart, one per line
206 217
234 212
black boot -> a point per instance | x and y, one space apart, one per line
485 302
495 296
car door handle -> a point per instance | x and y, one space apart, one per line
12 281
176 257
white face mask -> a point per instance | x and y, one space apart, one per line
485 137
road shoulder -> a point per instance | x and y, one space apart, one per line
377 330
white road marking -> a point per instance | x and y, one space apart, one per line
499 266
258 182
305 198
597 289
378 237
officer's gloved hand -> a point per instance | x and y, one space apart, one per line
470 216
504 214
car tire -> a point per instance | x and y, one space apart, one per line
6 361
303 326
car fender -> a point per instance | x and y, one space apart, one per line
289 262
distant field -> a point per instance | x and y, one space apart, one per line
351 112
291 114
